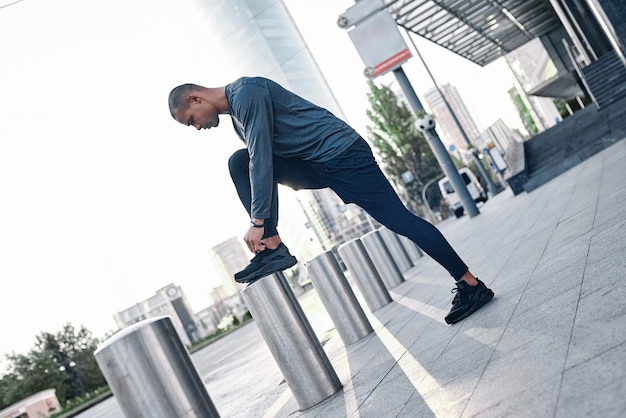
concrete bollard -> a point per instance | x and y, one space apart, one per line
291 340
151 374
382 259
365 275
395 247
338 298
411 248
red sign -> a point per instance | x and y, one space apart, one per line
392 62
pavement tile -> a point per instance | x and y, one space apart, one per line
551 283
550 321
536 401
596 387
416 407
570 229
609 242
455 373
390 396
600 323
513 372
604 275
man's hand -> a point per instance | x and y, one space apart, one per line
253 237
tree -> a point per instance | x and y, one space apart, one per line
29 374
402 148
63 361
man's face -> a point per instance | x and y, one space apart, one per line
198 113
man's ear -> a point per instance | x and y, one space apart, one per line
192 98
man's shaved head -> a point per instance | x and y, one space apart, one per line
178 97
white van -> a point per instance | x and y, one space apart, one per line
453 200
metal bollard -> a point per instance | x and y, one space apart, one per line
395 247
290 338
365 275
338 298
411 248
382 259
151 374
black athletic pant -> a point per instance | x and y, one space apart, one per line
356 178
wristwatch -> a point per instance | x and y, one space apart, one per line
256 225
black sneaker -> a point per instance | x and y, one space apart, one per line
265 263
468 299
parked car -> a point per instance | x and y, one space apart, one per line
453 200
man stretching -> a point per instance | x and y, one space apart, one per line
293 142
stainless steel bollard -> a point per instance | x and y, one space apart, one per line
364 273
290 338
151 374
411 248
382 259
338 298
395 247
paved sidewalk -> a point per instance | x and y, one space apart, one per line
551 343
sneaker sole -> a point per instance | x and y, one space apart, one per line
269 268
238 276
482 302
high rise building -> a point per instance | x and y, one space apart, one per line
167 301
445 120
229 257
259 37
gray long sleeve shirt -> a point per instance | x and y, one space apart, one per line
271 120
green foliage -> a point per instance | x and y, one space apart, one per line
525 115
400 145
63 361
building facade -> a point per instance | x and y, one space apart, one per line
445 119
39 405
167 301
229 257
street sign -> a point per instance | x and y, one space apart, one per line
379 43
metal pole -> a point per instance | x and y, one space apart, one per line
444 159
408 90
490 185
607 27
364 273
395 247
291 340
556 5
453 175
338 298
382 259
151 374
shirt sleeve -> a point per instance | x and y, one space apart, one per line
257 120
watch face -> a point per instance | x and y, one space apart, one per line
171 291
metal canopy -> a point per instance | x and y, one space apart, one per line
479 30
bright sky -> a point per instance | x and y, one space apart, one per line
105 199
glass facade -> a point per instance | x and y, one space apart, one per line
259 37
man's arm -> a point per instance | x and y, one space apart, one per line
256 116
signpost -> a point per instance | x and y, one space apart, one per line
382 48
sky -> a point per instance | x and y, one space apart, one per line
103 197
